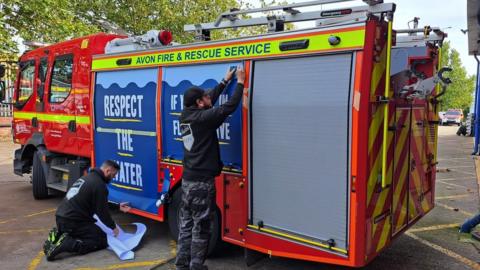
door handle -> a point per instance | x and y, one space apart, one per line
34 122
72 125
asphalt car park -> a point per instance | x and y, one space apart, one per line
430 244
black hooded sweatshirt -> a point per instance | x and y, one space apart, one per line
87 196
201 158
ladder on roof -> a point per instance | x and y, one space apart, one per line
276 23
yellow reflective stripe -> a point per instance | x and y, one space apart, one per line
62 118
134 132
296 238
125 187
124 154
23 115
352 38
83 120
55 117
122 120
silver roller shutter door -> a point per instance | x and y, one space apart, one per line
300 153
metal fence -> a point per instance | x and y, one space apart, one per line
10 73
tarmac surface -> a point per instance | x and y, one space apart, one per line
431 244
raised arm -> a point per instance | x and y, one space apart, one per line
215 92
215 116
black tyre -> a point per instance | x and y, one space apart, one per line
39 182
174 220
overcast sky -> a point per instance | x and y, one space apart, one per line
450 15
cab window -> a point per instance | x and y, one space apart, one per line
61 82
25 86
42 75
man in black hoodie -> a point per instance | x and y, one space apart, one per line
201 164
76 231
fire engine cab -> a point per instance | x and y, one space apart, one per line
297 183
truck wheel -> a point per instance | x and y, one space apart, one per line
174 220
39 183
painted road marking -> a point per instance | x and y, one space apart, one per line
29 215
453 196
7 220
456 179
36 261
453 185
173 248
467 173
454 209
434 227
458 158
41 213
460 258
128 265
23 231
462 166
173 253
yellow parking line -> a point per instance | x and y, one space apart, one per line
460 258
7 220
173 248
29 215
23 231
41 213
453 196
434 227
127 265
452 208
36 261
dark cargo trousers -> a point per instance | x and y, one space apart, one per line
83 237
196 216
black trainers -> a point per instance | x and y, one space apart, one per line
52 249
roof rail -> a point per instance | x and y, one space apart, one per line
290 14
428 34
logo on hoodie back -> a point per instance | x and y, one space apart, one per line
187 136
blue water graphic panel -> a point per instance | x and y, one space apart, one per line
176 80
125 131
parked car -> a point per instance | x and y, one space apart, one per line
442 118
453 116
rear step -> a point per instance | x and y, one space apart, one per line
60 186
61 168
62 176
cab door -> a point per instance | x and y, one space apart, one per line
59 117
40 81
24 102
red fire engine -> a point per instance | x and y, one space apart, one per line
330 157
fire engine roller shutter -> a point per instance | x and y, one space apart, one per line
300 146
126 131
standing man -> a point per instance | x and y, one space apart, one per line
201 164
76 229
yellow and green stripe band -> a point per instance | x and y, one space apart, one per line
57 118
350 38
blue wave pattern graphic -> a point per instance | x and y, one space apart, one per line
107 116
229 133
129 108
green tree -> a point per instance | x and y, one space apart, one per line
53 21
459 93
